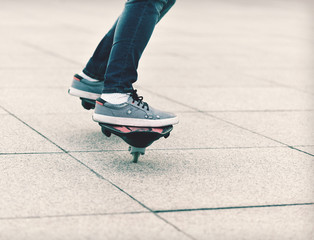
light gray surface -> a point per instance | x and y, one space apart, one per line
74 132
291 222
56 185
240 99
81 133
247 64
16 137
3 112
210 178
56 100
125 226
43 78
309 149
290 127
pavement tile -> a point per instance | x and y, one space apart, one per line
81 133
197 130
248 56
74 132
159 102
306 88
127 226
307 149
34 101
57 100
33 61
209 178
288 77
240 99
292 128
294 222
44 79
154 76
16 137
55 184
2 111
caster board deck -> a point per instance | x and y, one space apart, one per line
88 103
139 138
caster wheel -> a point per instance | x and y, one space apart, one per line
135 156
104 131
87 105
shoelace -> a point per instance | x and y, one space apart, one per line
138 99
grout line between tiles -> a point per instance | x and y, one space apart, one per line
225 121
73 215
235 207
158 149
280 84
160 211
38 48
102 177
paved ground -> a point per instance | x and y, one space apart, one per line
239 165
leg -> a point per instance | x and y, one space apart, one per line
166 8
97 64
132 33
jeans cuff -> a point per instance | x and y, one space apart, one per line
100 78
117 90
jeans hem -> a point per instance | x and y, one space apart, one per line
93 75
117 90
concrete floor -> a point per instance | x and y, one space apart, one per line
240 165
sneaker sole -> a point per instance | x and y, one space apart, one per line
134 122
83 94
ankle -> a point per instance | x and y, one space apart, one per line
83 75
115 98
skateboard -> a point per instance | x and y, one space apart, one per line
88 103
138 138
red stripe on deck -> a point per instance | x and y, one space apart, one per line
159 130
122 129
139 129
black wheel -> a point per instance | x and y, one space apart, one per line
106 132
87 105
135 156
167 135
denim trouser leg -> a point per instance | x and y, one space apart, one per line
97 64
118 54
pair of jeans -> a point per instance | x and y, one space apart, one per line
116 58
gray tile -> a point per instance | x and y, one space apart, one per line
240 99
209 178
74 132
34 61
57 100
293 222
292 128
289 77
78 132
55 184
160 102
196 130
19 138
36 101
307 149
166 75
44 78
136 226
3 112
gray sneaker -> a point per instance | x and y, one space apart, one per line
83 88
134 112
